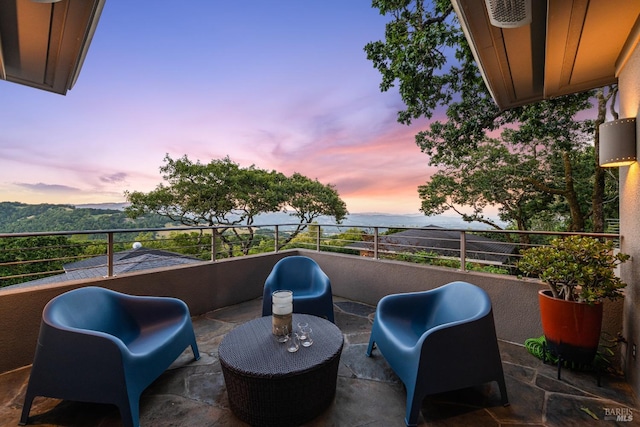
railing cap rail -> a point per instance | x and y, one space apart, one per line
227 226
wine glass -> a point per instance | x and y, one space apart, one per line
281 333
293 343
306 336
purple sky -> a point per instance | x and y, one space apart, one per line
284 85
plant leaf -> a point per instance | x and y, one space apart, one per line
589 412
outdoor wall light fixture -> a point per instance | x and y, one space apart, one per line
509 13
618 143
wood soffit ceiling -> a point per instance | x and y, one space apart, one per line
43 45
569 47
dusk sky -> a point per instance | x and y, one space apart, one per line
283 85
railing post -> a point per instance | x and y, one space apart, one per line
214 248
109 254
375 242
463 250
318 239
277 239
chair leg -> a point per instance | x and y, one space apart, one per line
330 315
196 353
370 348
560 361
26 408
503 392
129 408
413 407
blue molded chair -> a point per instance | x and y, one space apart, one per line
97 345
310 285
438 340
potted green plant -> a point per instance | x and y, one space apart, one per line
580 274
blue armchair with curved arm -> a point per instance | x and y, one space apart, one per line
438 340
310 285
98 345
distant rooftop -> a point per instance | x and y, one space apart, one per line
123 262
443 242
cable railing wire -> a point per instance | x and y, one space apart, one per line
210 244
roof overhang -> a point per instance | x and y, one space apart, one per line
44 45
569 47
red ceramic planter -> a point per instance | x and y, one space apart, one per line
572 329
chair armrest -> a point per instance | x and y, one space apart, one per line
412 307
320 279
78 351
462 344
154 310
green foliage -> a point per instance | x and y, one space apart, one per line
539 178
195 243
328 243
223 193
427 56
307 239
351 235
491 269
526 181
417 55
602 361
265 244
34 257
309 199
576 268
337 242
426 257
435 259
24 218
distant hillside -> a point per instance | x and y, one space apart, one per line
24 218
365 219
381 220
112 206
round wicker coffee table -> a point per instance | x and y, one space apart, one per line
268 386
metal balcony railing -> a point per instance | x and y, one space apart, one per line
33 258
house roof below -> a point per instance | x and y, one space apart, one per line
124 262
441 241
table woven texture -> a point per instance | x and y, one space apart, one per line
268 386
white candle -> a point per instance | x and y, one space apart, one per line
282 309
282 297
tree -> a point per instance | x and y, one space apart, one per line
426 55
223 193
310 199
491 175
530 184
30 258
551 141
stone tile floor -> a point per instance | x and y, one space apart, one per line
192 393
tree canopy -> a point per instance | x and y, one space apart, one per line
223 193
35 257
427 56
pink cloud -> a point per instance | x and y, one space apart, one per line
307 104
